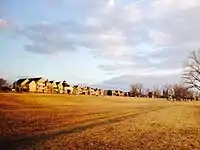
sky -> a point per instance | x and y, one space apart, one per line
104 43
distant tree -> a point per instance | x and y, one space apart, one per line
196 95
157 92
164 90
136 90
150 94
182 92
2 83
191 75
109 92
126 94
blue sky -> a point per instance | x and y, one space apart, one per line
105 43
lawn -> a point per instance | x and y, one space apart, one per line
44 121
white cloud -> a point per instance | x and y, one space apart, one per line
117 32
165 7
119 29
164 72
132 13
111 3
159 38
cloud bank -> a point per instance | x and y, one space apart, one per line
141 39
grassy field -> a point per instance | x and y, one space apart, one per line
39 121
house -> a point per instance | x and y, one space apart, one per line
59 87
36 85
20 85
96 91
125 94
100 92
108 93
92 91
105 92
116 93
89 89
77 90
84 90
54 87
121 93
67 89
31 86
48 86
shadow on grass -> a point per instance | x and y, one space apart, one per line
14 142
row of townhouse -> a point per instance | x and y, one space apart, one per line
42 85
39 85
78 90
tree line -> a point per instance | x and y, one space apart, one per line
188 88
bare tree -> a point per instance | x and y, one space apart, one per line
191 75
157 92
136 89
2 83
182 92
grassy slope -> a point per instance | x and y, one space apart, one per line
87 122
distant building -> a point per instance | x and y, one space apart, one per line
59 87
42 85
30 85
53 87
20 85
36 85
66 88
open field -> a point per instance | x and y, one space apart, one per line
39 121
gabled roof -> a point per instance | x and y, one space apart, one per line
51 82
29 81
65 84
76 86
58 82
33 79
20 81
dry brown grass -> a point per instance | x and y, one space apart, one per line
86 122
